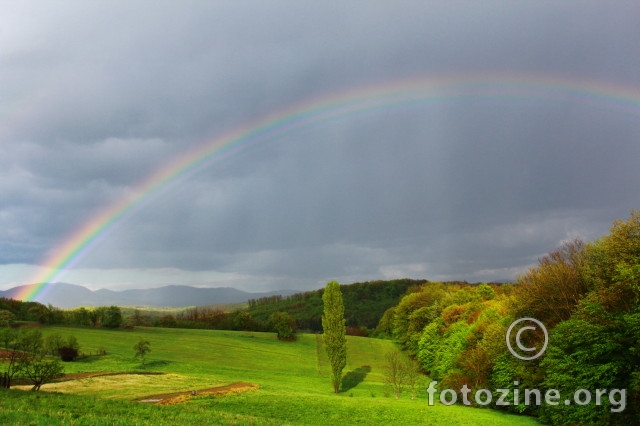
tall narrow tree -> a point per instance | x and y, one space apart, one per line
334 337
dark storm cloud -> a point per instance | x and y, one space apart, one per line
97 95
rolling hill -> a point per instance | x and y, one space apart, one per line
291 384
68 296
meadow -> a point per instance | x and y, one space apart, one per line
292 378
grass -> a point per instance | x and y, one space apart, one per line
293 378
153 312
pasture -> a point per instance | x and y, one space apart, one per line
291 379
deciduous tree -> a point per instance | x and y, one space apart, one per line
334 337
6 318
394 371
412 376
142 348
40 370
26 355
284 325
112 317
551 291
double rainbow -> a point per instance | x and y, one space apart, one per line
316 111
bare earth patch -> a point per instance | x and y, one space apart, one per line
123 385
18 383
76 376
179 397
6 354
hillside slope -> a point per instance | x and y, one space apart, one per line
294 386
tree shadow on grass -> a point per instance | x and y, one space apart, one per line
355 377
153 364
88 358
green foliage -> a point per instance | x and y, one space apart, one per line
243 321
485 291
96 316
68 348
25 311
26 356
428 346
54 342
141 349
40 370
551 291
613 267
405 323
79 316
112 317
167 320
453 343
7 335
39 312
587 295
72 342
365 303
384 329
423 305
12 341
334 337
29 340
584 355
6 318
283 325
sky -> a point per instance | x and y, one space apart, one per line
475 182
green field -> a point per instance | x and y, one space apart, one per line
293 380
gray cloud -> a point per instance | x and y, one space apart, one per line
96 96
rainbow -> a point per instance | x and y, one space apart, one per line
316 111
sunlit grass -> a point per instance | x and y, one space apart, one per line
293 380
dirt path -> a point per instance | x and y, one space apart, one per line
178 397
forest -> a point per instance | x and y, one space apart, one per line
587 296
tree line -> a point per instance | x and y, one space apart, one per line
365 304
588 297
16 310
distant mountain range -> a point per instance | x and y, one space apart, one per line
68 296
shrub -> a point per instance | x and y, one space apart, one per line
284 325
112 317
68 354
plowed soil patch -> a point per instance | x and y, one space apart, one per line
178 397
